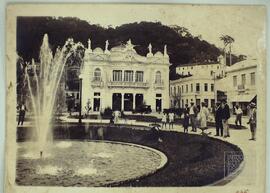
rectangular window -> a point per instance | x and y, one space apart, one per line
97 75
128 76
243 76
212 88
191 87
158 95
174 90
178 89
234 81
186 101
252 78
139 76
96 93
187 88
117 75
182 88
205 87
197 87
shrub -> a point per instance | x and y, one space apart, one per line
108 112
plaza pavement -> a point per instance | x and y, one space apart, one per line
237 137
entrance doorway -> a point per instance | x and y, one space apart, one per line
158 105
128 102
138 101
116 101
96 104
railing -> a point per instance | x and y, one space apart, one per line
128 84
97 83
159 85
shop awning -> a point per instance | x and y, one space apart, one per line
242 98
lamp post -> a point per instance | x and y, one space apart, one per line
214 78
80 105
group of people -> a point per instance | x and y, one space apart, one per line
197 116
222 115
167 118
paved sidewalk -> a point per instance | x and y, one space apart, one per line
241 139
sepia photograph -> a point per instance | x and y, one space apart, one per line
135 95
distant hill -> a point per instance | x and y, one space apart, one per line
182 46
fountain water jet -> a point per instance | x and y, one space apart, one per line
43 85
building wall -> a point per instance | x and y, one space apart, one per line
238 92
119 61
205 70
192 95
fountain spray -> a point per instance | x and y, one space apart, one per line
43 84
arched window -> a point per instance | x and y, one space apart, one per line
97 74
158 77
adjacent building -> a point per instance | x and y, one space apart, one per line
192 89
240 83
197 85
121 79
212 82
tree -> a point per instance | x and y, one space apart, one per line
227 41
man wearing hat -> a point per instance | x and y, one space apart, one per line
252 120
225 115
218 119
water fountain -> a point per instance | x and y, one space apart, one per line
42 161
43 85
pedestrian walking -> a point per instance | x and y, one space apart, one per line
171 119
225 115
252 120
186 119
193 111
238 113
164 120
22 109
218 119
204 114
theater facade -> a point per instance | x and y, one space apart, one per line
121 79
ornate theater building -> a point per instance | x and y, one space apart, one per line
121 79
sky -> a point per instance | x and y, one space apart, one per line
246 24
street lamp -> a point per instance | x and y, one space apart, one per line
80 105
214 78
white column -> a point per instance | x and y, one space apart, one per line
133 106
122 100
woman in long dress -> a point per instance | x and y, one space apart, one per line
204 113
186 119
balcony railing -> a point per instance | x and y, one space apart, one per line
128 84
159 85
97 83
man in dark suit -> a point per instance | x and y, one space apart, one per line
22 109
218 119
225 115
